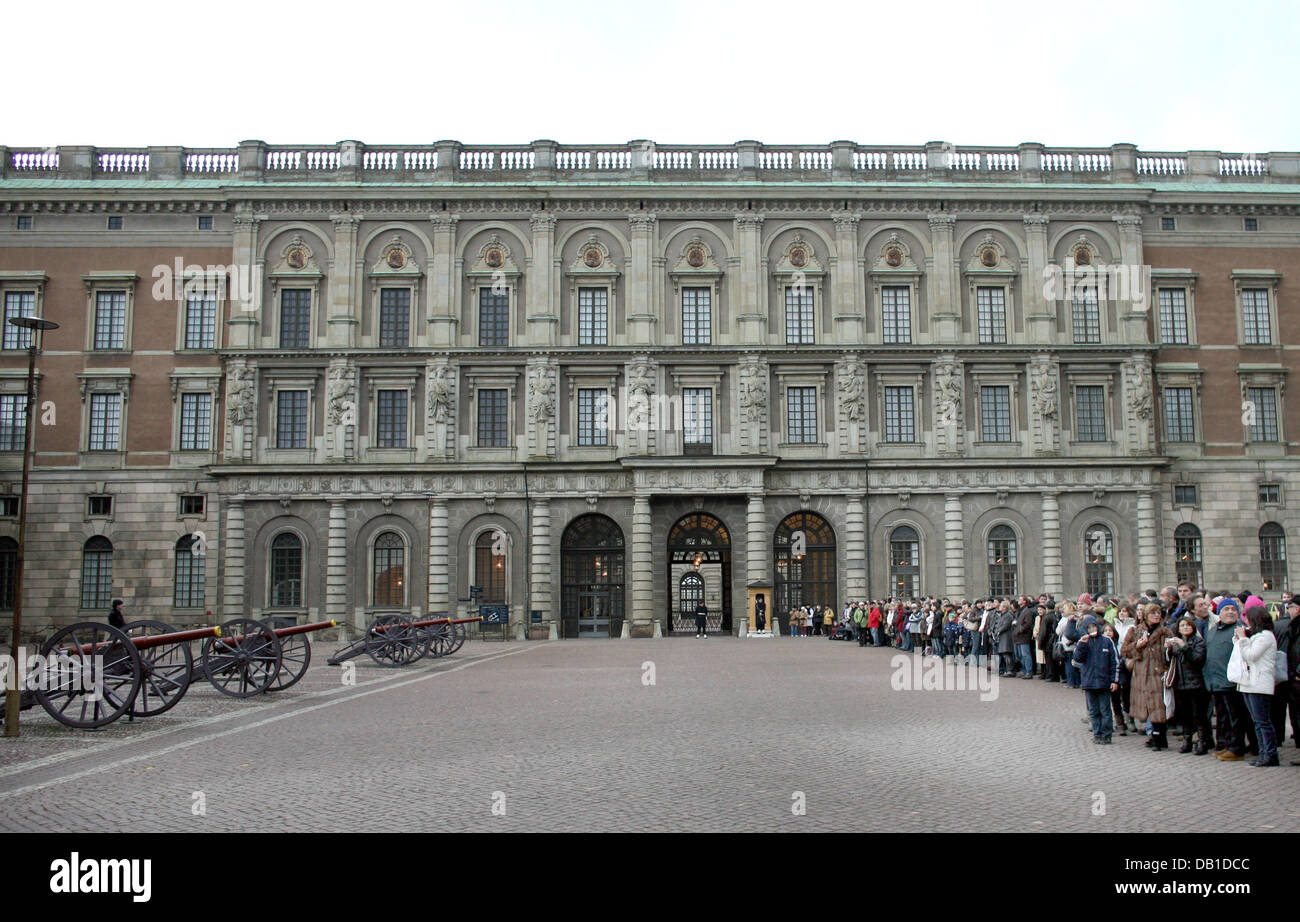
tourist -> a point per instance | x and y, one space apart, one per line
1191 700
1004 630
1145 649
1118 697
1098 664
1022 637
1067 633
1251 667
1047 640
1284 697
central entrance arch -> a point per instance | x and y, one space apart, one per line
591 578
699 567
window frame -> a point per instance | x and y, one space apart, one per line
97 603
191 581
709 312
372 550
1266 280
302 581
97 283
411 300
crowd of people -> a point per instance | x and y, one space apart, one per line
1219 670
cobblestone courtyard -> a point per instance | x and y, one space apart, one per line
567 736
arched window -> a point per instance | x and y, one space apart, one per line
1272 556
1187 554
904 562
8 572
1002 561
190 573
804 554
390 570
1098 560
286 571
489 567
689 592
97 573
591 578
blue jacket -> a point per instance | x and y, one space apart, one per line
1098 662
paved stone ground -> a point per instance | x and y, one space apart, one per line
568 737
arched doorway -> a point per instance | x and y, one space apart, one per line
591 578
804 565
699 560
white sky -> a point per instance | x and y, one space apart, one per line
1163 75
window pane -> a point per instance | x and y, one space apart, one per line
493 415
899 422
394 316
1087 316
196 422
390 570
992 320
392 419
493 317
286 571
593 316
490 569
8 572
105 421
201 321
1272 557
189 575
291 419
1263 401
110 319
1254 316
97 574
1187 554
801 414
18 304
1002 561
1090 413
1099 561
798 315
295 318
896 307
1173 315
995 413
697 316
697 416
13 419
593 426
1179 424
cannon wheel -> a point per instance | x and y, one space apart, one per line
399 644
69 682
166 670
443 639
458 637
295 657
244 660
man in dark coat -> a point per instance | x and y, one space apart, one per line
1046 641
701 612
115 616
1022 635
1005 625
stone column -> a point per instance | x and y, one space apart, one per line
341 316
541 576
233 561
246 289
1053 579
1042 287
1148 560
1129 283
954 546
855 552
442 313
945 291
758 556
543 318
750 283
643 612
846 283
439 578
641 317
336 564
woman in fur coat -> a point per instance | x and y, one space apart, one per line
1145 646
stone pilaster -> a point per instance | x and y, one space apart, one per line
342 318
234 570
641 315
541 576
1139 412
341 410
543 314
753 399
1053 577
441 399
851 406
336 564
1130 283
441 319
750 285
1045 404
242 399
846 285
639 406
855 551
542 408
954 545
246 289
944 290
643 612
949 404
1041 287
758 555
439 577
1148 540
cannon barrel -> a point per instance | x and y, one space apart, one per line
161 640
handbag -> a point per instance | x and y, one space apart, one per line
1238 668
1058 651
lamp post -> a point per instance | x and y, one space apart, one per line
13 696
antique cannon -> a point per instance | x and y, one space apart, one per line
395 640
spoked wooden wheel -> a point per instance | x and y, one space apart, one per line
166 670
244 660
91 677
295 657
392 640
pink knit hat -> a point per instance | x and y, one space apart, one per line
1085 600
1253 600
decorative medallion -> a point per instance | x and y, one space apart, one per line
592 258
395 258
494 258
695 257
296 258
798 257
894 257
1083 256
989 257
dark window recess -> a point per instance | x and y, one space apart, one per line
1185 494
1167 224
24 222
1250 224
1270 493
8 506
205 222
115 222
192 504
100 505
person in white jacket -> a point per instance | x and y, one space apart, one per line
1251 667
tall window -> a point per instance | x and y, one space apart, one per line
189 582
394 316
697 316
201 320
493 317
196 422
991 308
896 313
1180 425
1173 315
97 573
995 413
1187 554
593 416
799 327
1002 561
1273 557
801 414
697 420
110 320
105 421
1254 316
390 430
1090 413
295 318
390 569
904 562
593 316
803 551
490 569
291 419
1262 401
18 304
13 420
493 418
286 571
8 572
1087 316
1099 561
900 422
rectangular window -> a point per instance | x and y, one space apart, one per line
295 318
105 421
1090 413
201 320
96 578
196 422
394 316
1087 316
8 506
1250 224
115 222
192 504
593 316
1179 422
1270 493
801 415
25 222
205 222
1173 315
110 319
13 421
593 409
1254 317
995 413
18 304
1185 494
900 418
697 420
697 316
190 578
991 305
391 428
493 317
1262 407
896 313
1167 224
493 418
99 505
291 419
799 315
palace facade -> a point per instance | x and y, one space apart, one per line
597 384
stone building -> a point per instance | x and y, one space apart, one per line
595 385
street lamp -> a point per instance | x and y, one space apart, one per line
13 696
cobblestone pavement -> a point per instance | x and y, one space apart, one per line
568 736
